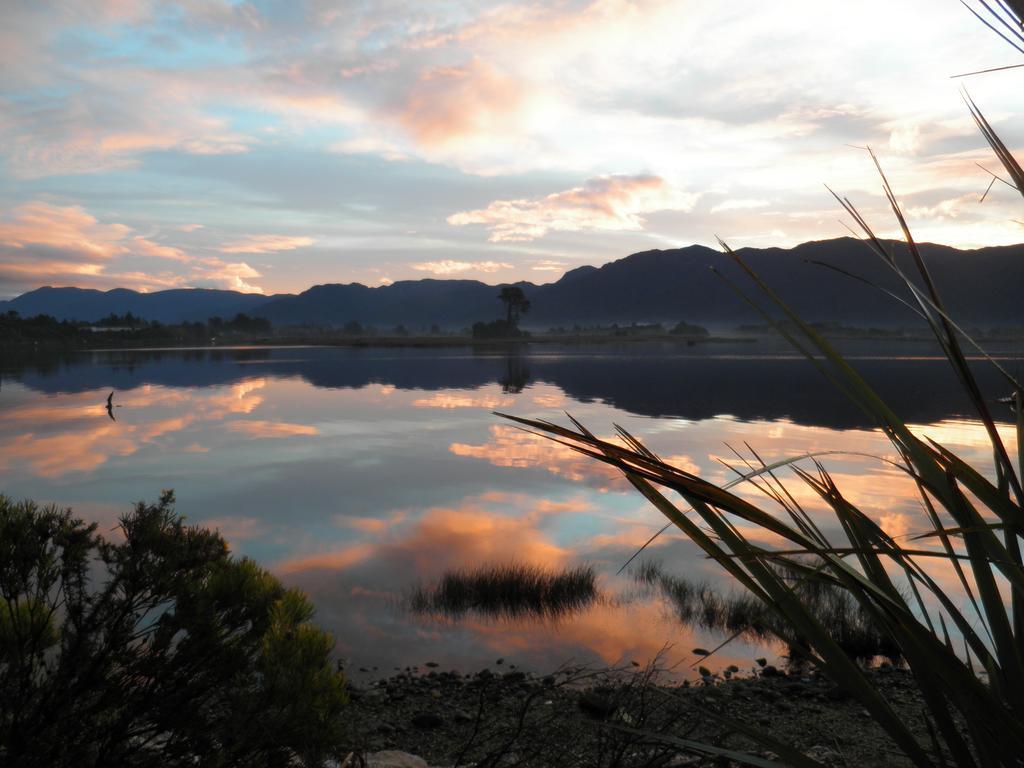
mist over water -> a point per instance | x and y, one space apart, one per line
358 473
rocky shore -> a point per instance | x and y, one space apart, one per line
616 718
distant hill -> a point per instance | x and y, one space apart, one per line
981 287
173 306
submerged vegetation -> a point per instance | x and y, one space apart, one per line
511 591
506 591
156 648
740 615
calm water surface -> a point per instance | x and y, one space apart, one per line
355 474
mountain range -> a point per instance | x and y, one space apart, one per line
981 287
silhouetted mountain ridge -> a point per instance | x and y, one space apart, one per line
981 287
171 306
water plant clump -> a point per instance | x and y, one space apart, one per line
507 591
739 615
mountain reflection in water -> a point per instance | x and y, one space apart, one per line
648 379
355 473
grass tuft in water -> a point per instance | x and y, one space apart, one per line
507 591
742 616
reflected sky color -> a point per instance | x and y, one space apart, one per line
356 491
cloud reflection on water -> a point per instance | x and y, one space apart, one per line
366 489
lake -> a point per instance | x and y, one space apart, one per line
357 474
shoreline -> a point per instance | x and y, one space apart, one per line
441 342
580 717
387 342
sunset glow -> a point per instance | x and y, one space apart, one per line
268 146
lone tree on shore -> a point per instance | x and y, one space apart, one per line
516 304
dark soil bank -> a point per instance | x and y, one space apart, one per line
581 718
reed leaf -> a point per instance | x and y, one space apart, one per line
971 722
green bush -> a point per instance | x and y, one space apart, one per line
155 649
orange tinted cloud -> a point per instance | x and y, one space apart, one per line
445 537
267 244
66 245
450 400
87 439
450 267
261 429
66 228
56 455
608 203
233 275
374 525
512 447
147 247
471 535
236 528
337 560
447 104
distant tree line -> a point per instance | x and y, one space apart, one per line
16 330
682 328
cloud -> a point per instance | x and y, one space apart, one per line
109 121
44 243
450 103
740 204
68 229
261 429
512 447
236 529
548 265
79 438
149 248
335 560
605 203
450 400
450 267
232 113
266 244
950 208
215 272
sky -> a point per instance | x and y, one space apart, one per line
268 146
